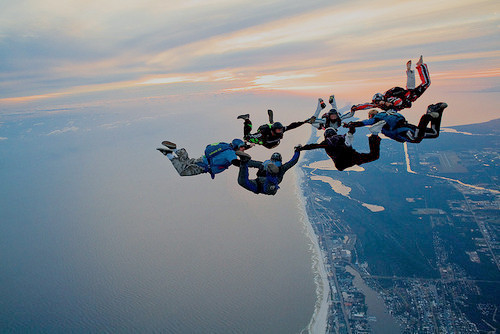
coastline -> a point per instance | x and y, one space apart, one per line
319 319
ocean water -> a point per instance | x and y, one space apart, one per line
99 234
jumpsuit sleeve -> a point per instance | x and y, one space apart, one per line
313 146
319 123
250 163
363 106
254 164
292 161
347 115
293 126
369 121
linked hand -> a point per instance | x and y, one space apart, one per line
298 147
310 120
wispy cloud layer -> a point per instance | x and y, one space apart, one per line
63 130
52 49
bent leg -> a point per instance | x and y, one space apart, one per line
422 127
374 154
433 116
425 77
426 82
244 181
410 79
433 131
186 166
247 127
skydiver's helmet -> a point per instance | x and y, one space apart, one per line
330 132
276 157
336 119
237 143
377 97
333 112
277 128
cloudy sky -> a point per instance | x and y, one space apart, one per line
72 49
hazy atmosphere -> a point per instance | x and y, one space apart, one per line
98 231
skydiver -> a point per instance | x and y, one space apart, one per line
218 157
339 147
331 119
400 130
269 175
398 98
267 135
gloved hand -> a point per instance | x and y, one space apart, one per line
310 120
244 157
298 147
347 125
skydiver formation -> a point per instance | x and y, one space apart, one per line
220 156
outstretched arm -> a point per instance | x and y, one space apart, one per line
293 125
292 162
347 115
255 164
357 124
363 106
250 163
313 146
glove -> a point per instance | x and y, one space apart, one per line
310 120
347 125
298 147
352 129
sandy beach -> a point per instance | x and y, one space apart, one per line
319 319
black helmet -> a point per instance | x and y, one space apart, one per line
330 132
277 126
333 112
276 156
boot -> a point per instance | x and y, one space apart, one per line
169 144
420 61
435 110
244 117
270 114
164 151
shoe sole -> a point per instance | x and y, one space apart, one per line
164 151
169 144
438 112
